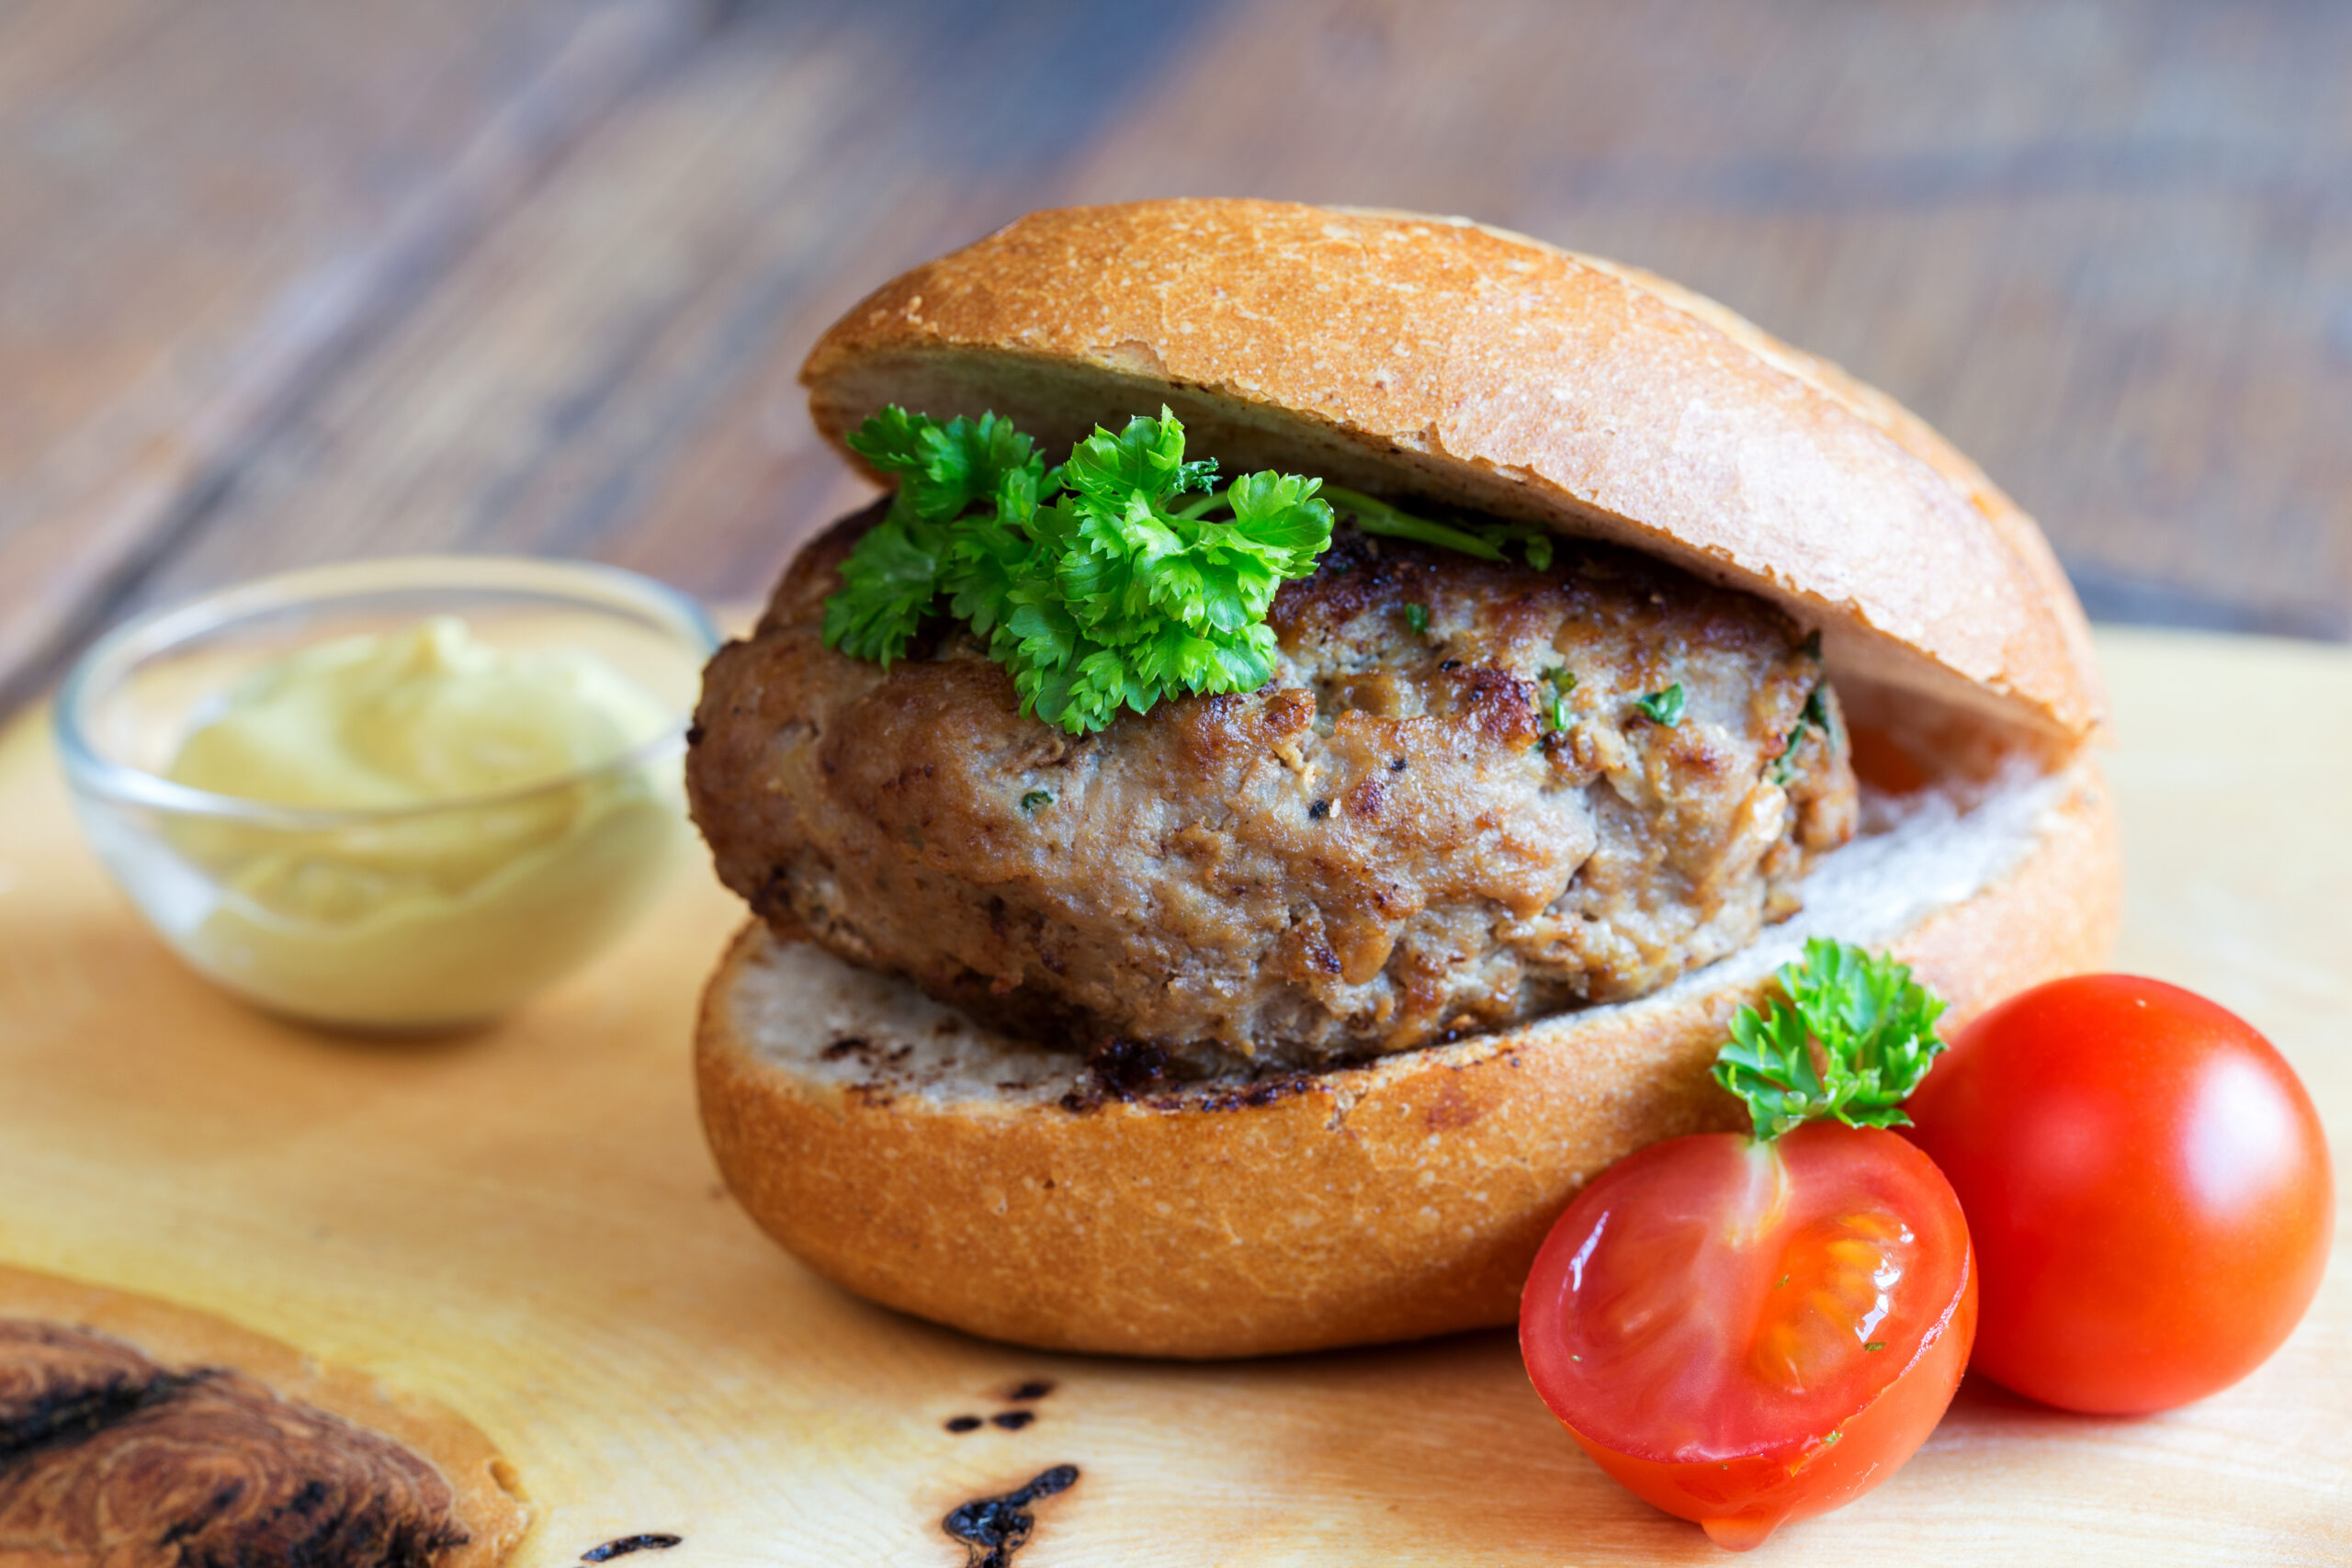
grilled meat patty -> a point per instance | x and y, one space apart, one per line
1421 828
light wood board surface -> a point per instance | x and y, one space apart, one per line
523 1225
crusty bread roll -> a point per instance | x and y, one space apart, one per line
976 1180
1431 357
919 1160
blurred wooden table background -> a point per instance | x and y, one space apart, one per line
291 280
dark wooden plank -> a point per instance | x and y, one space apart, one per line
202 204
2100 246
613 372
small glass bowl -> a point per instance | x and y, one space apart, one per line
416 918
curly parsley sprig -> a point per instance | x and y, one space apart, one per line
1089 581
1875 1030
1094 582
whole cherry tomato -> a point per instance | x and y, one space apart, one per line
2146 1184
1745 1333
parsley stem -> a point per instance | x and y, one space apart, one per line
1379 517
1194 511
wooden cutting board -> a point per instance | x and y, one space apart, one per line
523 1224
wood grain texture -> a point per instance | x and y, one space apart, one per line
203 206
189 1346
523 1225
613 373
2103 247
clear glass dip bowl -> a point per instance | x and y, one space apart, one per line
410 919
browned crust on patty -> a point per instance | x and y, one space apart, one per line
1417 356
1387 1202
1417 829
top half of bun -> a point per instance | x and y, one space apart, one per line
1434 357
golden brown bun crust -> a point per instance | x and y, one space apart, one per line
489 1499
1416 353
1389 1201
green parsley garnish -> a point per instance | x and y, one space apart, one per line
1095 583
1663 708
1562 681
1111 596
1875 1025
1036 799
1816 715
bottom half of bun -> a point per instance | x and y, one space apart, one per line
983 1182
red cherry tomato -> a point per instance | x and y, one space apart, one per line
2147 1186
1745 1333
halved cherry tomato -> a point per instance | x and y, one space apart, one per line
2148 1188
1745 1333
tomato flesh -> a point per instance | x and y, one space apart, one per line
1747 1334
2147 1184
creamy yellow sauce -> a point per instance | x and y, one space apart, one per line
503 858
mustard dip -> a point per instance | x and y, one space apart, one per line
467 888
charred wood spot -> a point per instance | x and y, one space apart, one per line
652 1541
1030 1392
106 1457
1012 1420
993 1529
962 1424
57 1385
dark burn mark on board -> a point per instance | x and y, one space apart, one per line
106 1457
1027 1393
993 1529
60 1387
652 1541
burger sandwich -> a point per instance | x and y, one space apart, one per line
1332 715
